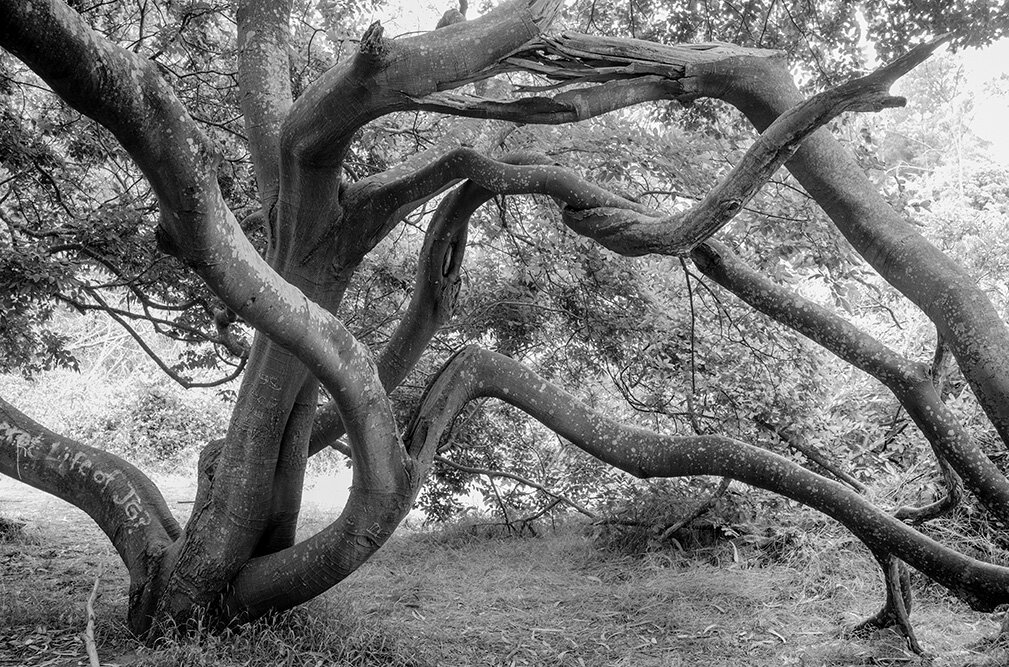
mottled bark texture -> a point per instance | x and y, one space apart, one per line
288 296
476 373
237 556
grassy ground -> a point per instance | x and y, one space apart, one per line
462 597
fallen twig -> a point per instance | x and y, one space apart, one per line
89 630
703 507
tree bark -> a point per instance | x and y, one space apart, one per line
475 373
237 554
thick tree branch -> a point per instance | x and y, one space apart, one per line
124 503
265 81
386 74
910 382
475 373
289 475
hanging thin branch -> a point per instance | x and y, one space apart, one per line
521 480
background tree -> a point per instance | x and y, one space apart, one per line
325 196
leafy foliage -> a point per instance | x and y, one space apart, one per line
154 424
645 340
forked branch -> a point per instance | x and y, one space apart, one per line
386 74
910 382
435 291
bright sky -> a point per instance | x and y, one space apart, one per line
991 113
417 15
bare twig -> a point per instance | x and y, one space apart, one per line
165 368
89 630
521 480
698 511
811 453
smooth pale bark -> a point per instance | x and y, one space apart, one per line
237 541
759 84
910 382
476 373
265 81
123 501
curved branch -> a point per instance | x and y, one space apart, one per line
679 233
159 324
149 351
392 194
436 289
385 74
954 485
124 503
475 373
910 382
812 454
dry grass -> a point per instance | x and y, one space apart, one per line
452 597
559 601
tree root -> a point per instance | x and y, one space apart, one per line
896 611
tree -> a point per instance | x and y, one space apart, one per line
236 558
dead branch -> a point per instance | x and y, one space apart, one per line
811 453
89 630
487 472
698 511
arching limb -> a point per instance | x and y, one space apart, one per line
474 373
123 501
910 382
